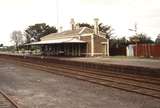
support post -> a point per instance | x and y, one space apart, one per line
92 45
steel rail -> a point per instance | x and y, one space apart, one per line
86 77
11 101
92 77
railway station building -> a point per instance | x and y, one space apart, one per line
78 41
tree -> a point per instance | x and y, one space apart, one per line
103 28
1 45
106 29
17 38
86 25
141 38
118 42
35 32
157 41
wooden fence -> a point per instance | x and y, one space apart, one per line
147 50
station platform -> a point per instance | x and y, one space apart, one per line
139 66
126 61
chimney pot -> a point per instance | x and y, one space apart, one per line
96 27
72 24
77 26
61 28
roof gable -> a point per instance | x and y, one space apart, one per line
70 33
64 34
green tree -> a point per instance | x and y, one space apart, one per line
17 38
35 32
1 45
141 38
103 28
86 25
106 29
118 42
157 41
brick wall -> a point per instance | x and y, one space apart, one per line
88 40
99 48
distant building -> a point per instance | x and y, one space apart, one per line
79 41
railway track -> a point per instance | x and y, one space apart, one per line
108 74
131 83
6 102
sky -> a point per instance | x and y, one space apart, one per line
120 14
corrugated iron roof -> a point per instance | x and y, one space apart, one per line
64 34
70 33
57 41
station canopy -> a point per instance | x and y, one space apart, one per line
58 41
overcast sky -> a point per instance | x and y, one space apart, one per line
120 14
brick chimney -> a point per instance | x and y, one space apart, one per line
96 27
60 29
72 24
77 26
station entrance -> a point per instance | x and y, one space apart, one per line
64 49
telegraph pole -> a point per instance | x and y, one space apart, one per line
135 29
57 12
136 40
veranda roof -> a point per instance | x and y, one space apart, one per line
58 41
